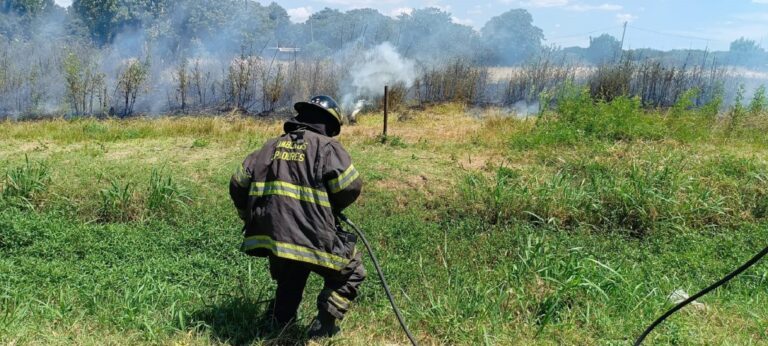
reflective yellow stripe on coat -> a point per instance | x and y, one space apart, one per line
281 188
343 180
294 252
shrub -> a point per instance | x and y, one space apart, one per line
578 118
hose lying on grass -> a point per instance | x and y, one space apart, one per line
692 298
383 280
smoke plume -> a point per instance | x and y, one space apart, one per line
379 66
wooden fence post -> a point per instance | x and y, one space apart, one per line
386 103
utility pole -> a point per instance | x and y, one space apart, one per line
311 30
620 53
623 33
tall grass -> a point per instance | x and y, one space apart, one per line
164 193
652 193
123 202
528 83
570 229
24 185
656 84
456 81
118 202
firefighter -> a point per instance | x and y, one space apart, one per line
288 193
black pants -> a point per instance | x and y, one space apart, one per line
339 290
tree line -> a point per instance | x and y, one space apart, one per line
119 57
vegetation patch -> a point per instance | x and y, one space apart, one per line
490 229
24 186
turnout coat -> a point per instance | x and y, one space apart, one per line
288 194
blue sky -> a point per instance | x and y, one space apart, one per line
653 23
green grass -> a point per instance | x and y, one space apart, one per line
569 230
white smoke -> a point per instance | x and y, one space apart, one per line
379 66
358 107
524 109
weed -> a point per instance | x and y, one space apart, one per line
164 194
685 103
579 118
94 130
118 202
200 143
759 102
394 141
24 185
738 110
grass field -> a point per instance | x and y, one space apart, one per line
572 229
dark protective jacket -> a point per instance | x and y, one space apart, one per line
288 193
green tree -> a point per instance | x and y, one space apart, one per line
325 28
603 49
369 27
106 18
99 16
431 34
27 7
511 37
130 82
747 53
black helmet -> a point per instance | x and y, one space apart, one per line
326 104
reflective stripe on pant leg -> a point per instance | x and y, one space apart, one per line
341 288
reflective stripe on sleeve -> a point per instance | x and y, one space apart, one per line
294 252
281 188
343 180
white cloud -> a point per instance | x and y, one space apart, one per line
299 14
567 5
63 3
755 16
400 10
360 3
437 4
543 3
626 17
602 7
760 1
467 22
476 10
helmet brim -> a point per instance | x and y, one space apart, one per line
302 107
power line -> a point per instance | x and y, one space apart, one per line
675 35
583 34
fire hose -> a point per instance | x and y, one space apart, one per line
692 298
383 280
752 261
